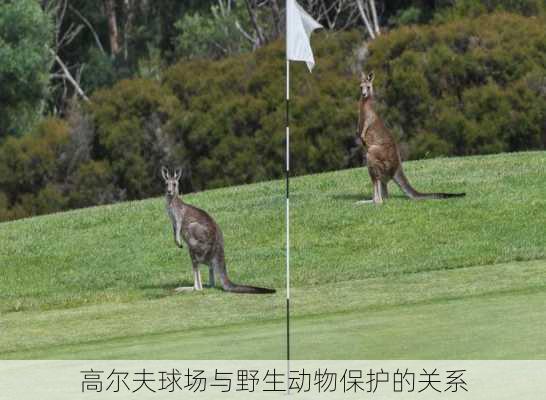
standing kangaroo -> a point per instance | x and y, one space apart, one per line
202 236
383 155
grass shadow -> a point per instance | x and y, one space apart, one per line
157 291
161 290
357 197
351 197
166 286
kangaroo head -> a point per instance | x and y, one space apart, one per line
366 84
171 181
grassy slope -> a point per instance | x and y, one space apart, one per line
435 279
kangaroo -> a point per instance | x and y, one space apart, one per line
203 237
383 155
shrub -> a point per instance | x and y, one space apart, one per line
230 125
93 184
100 71
131 121
474 8
30 169
467 87
408 16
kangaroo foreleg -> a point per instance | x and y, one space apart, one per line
365 126
177 238
363 131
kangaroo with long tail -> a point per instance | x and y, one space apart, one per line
383 155
203 237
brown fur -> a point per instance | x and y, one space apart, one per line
203 237
383 155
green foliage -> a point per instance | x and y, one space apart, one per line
150 67
93 184
132 134
211 35
196 37
31 168
409 16
25 34
471 86
230 125
100 71
474 8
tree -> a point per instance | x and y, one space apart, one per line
111 16
26 32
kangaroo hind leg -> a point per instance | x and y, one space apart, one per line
197 285
196 279
377 195
384 191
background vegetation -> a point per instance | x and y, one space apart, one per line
25 33
96 96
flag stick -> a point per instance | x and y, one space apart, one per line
288 217
299 26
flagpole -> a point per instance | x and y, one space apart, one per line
288 218
299 26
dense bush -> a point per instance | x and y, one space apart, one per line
132 134
31 171
93 184
474 8
231 122
467 87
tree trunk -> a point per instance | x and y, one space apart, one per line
129 8
69 76
260 39
360 5
277 20
167 12
110 11
374 16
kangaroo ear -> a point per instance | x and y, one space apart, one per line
177 173
371 76
362 76
164 173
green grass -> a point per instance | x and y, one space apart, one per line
461 278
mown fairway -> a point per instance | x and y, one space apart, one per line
460 278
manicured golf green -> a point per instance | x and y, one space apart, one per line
460 278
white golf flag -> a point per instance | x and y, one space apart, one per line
299 26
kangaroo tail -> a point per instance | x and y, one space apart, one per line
403 183
229 286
